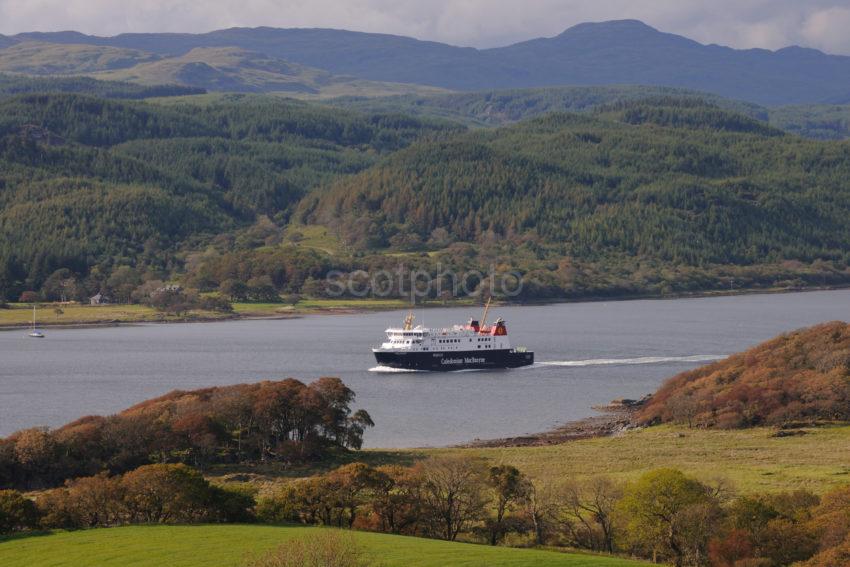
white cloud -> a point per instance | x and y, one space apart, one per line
829 29
824 24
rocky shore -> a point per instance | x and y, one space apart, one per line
614 418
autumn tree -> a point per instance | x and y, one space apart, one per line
16 512
453 493
656 511
509 487
397 498
586 512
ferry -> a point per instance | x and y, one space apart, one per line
461 347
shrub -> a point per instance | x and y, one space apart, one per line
28 297
215 303
325 548
160 493
16 512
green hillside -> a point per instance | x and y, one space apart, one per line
218 68
507 106
38 58
231 69
821 122
228 546
11 85
89 182
665 182
647 196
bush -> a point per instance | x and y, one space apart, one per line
28 297
325 548
16 512
215 303
151 494
234 503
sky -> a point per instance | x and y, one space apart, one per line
771 24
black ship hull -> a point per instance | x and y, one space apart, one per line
457 360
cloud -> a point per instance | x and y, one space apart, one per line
829 29
481 23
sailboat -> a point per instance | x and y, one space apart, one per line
35 333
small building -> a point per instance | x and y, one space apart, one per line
98 299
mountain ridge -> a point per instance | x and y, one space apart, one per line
590 53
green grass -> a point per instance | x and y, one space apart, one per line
752 459
21 314
228 545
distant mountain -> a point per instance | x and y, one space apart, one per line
616 52
40 58
229 69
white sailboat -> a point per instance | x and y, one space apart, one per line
35 333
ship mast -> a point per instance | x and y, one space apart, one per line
408 321
486 309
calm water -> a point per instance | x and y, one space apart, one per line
588 354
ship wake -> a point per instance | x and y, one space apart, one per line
630 361
390 370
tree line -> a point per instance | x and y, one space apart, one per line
285 421
664 515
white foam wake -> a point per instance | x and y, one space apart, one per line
389 369
638 360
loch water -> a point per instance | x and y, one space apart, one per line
587 354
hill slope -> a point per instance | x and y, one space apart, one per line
616 52
800 376
501 107
671 180
39 58
229 69
87 181
227 546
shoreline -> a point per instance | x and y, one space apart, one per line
354 309
611 420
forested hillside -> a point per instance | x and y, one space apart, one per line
636 186
501 107
254 196
88 184
821 122
11 85
504 107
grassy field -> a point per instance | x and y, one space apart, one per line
752 460
21 315
229 545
